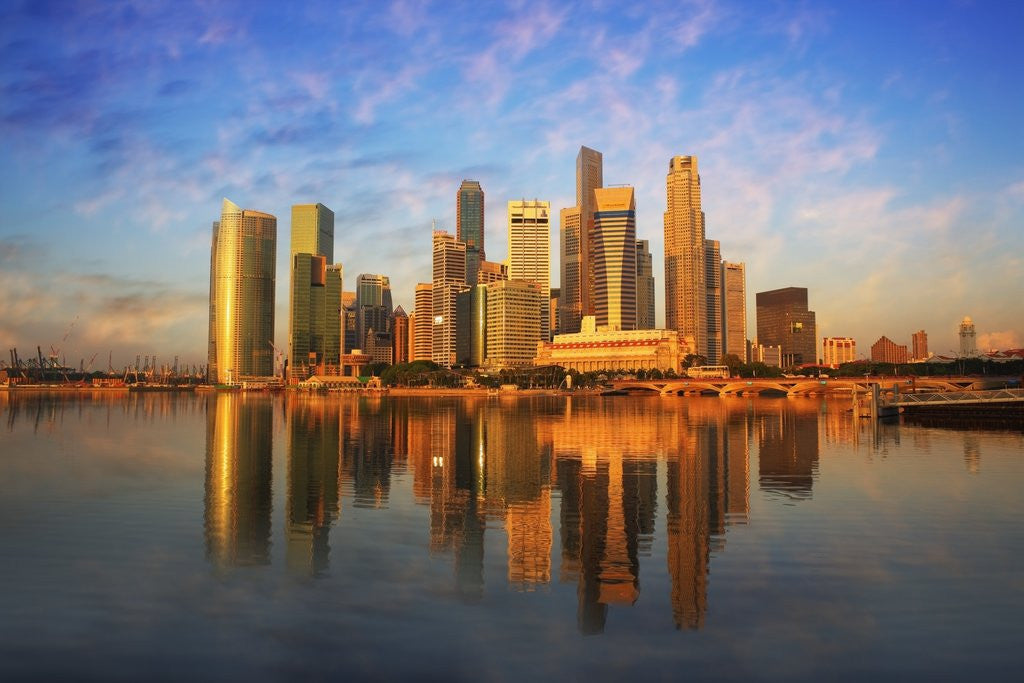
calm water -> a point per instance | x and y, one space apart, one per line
228 536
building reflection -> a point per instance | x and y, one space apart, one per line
313 504
788 448
239 441
366 448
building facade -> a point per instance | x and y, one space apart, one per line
570 303
424 341
513 323
784 320
685 273
968 342
314 311
713 283
838 350
471 336
886 350
734 310
591 350
644 286
529 249
449 280
400 337
919 344
614 258
469 226
243 268
491 271
589 177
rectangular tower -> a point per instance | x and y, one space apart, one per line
529 249
513 323
571 266
734 310
713 283
685 274
469 225
314 315
644 286
920 345
424 322
449 280
614 257
783 320
589 177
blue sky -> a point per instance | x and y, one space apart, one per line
869 151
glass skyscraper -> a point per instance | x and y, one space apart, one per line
314 329
469 226
242 273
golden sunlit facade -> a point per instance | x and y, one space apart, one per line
613 251
595 350
243 265
685 275
529 250
513 323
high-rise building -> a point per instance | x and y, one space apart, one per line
411 349
243 267
644 286
400 337
968 345
838 350
491 272
783 320
553 322
919 343
349 322
685 274
614 257
469 225
734 310
886 350
570 302
315 311
423 331
373 306
713 284
529 249
449 280
471 335
589 177
513 322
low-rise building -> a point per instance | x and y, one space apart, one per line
595 350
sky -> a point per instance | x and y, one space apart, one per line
872 152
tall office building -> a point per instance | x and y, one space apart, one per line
783 320
471 335
400 337
570 303
577 225
373 306
513 322
469 226
734 309
919 342
644 286
243 266
424 322
315 311
529 250
449 280
713 284
349 323
968 344
614 257
491 271
685 275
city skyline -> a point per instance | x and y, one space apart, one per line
886 180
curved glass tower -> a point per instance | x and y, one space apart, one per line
242 272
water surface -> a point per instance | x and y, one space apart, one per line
230 536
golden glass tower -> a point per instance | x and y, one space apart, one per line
242 272
614 257
449 280
685 276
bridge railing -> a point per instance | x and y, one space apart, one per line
990 396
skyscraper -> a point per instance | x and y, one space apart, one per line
734 309
968 345
314 319
469 226
400 337
783 320
614 257
685 275
713 283
644 286
529 250
373 306
513 322
570 302
920 345
423 330
242 272
449 280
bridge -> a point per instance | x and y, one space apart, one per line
805 386
950 398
